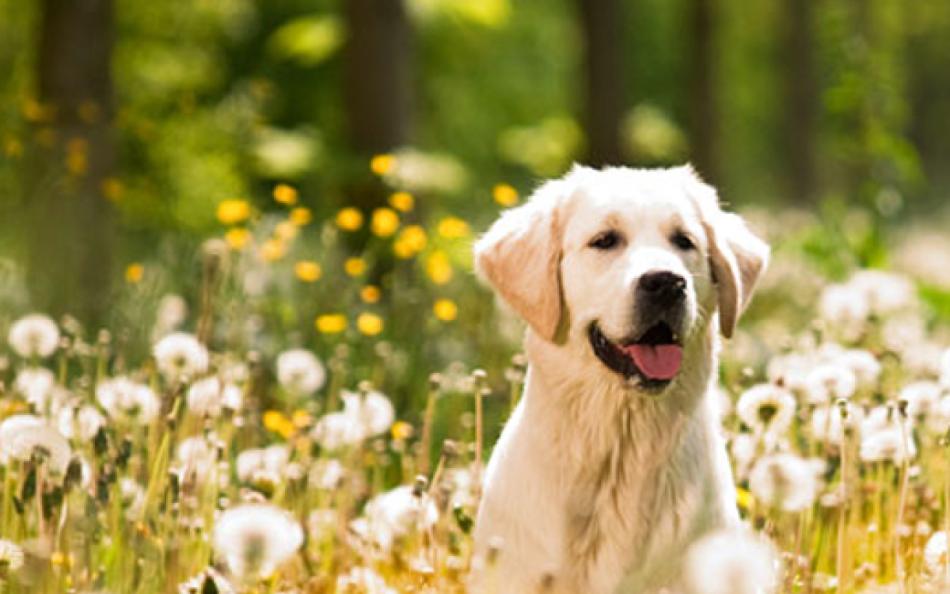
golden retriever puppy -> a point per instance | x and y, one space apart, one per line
612 463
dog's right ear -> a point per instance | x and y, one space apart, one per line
520 257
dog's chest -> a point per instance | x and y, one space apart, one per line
633 500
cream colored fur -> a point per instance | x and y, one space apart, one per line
596 487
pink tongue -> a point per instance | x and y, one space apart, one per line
660 362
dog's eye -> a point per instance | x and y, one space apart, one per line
605 241
682 241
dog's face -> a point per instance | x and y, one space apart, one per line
626 265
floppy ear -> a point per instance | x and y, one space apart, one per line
520 257
737 257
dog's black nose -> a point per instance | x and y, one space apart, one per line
663 287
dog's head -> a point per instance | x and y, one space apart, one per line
628 265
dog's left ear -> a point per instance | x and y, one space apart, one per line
520 257
737 257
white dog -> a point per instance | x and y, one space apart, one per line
612 462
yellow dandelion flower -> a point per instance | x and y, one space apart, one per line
438 267
354 266
410 241
445 310
77 156
453 228
382 164
301 418
237 238
231 212
12 147
273 250
285 230
401 430
134 273
744 499
301 216
308 271
349 219
370 294
276 422
369 324
505 195
385 222
112 189
402 201
330 323
285 194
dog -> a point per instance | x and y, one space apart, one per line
612 462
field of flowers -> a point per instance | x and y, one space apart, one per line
313 415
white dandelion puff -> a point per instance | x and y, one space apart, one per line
209 396
732 562
123 398
180 356
80 423
300 372
935 553
863 364
827 424
786 481
11 556
337 430
827 383
26 440
766 408
885 440
35 335
395 514
36 384
255 539
270 462
373 411
171 313
922 398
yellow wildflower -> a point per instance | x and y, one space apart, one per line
453 228
112 188
370 294
402 201
382 164
277 422
308 271
744 498
385 222
77 156
273 250
445 310
330 323
301 418
349 219
237 238
410 241
231 212
301 216
285 194
401 430
354 266
369 324
438 267
134 273
505 195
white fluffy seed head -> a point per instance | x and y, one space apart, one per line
255 539
732 562
35 335
300 372
180 356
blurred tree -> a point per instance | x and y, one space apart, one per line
801 101
604 98
377 85
71 222
702 106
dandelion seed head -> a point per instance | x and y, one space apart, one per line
123 398
766 408
179 356
828 382
80 423
732 562
34 335
786 481
24 439
300 372
254 539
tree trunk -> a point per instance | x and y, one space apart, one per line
71 222
801 101
603 61
703 114
377 83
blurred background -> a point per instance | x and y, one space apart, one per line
343 153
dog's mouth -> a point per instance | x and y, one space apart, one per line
655 357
